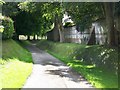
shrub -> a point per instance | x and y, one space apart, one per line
8 27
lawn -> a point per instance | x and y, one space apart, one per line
98 64
15 65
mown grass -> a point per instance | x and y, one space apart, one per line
98 64
15 65
11 49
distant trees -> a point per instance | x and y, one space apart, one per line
36 18
27 17
29 21
48 17
32 18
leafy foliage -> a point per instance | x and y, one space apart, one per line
8 27
69 24
41 16
1 2
117 9
84 13
26 23
10 9
36 18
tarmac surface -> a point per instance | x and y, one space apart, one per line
49 72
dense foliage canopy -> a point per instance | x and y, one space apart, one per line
32 18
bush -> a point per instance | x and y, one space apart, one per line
8 27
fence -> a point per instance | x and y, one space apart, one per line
100 38
72 35
83 38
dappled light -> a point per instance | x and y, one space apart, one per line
12 69
15 65
98 64
50 68
59 44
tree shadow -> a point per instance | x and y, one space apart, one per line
54 66
69 74
105 60
100 56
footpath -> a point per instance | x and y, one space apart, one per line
49 72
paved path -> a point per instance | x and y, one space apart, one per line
49 72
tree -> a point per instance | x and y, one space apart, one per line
57 17
117 23
30 20
10 9
110 22
53 18
84 13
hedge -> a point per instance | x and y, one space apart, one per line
8 31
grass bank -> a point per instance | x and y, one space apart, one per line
98 64
15 65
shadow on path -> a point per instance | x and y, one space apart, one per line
49 72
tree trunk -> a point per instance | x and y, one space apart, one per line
117 31
56 36
28 37
61 32
50 35
57 33
110 22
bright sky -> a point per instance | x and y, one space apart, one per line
66 18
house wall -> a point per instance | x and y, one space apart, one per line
71 35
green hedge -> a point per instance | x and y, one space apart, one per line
8 27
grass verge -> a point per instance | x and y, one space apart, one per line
15 65
98 64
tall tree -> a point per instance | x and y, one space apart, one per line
56 18
110 22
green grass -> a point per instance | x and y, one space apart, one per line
98 64
15 65
11 49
